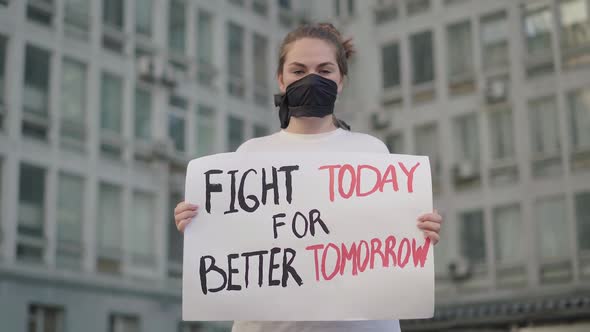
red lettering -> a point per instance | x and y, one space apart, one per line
390 176
349 256
331 168
359 170
403 261
341 175
376 249
410 175
389 249
315 249
336 266
362 266
419 254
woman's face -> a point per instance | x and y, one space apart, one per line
309 56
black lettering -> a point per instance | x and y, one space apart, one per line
211 187
260 262
288 269
203 270
288 180
276 224
230 272
241 197
294 222
232 204
273 266
314 217
266 186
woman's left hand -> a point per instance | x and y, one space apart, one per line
430 223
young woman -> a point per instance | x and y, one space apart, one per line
311 70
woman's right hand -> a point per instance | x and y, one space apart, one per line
183 214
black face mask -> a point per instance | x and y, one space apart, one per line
311 96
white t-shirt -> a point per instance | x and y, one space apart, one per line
338 140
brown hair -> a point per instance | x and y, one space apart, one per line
328 33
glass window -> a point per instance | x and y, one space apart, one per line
260 69
538 21
113 13
579 104
70 203
77 14
205 37
466 145
3 46
175 240
501 134
285 4
31 212
140 232
544 127
41 11
422 57
507 234
552 231
390 61
426 144
575 24
494 41
260 131
395 143
260 7
582 202
417 6
143 17
206 126
235 58
177 26
460 49
109 228
176 122
111 112
143 114
123 323
472 233
235 134
45 318
36 92
73 99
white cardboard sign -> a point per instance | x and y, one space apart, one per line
308 236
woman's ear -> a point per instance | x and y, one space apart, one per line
341 84
282 87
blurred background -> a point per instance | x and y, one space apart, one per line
103 103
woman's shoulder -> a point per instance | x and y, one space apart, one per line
257 143
369 142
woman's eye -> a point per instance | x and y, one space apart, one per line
298 72
325 72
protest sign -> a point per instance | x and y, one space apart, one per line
307 236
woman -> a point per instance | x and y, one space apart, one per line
312 67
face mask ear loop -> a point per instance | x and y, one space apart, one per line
281 102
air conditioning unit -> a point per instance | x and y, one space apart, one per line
146 68
379 120
170 77
496 90
459 269
466 170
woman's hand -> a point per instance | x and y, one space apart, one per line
183 214
430 224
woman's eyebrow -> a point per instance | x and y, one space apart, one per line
323 64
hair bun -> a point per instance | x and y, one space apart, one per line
346 44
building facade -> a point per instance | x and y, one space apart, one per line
497 94
102 104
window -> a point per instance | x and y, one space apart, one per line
415 7
235 134
111 115
177 26
109 229
113 16
36 92
582 202
141 232
70 207
426 144
41 11
544 127
395 143
176 122
538 22
507 234
390 61
77 18
260 7
260 131
286 19
205 130
235 58
460 57
261 96
44 318
385 11
143 114
123 323
472 234
422 57
579 104
192 327
31 214
552 231
3 46
73 100
466 145
575 30
494 41
143 17
350 8
204 44
175 240
501 134
239 3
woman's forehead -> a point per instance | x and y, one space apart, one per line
310 52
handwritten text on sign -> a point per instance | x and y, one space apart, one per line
308 237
